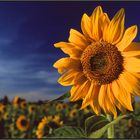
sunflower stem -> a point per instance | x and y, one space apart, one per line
110 130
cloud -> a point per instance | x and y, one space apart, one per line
27 54
45 93
18 79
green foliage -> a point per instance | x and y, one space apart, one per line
102 125
69 126
94 123
69 132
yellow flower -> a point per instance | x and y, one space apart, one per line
87 110
41 126
6 116
23 104
73 113
39 134
16 101
31 108
2 108
47 121
102 66
22 123
59 106
64 105
57 120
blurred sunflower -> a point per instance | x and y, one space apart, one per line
57 120
64 105
2 108
23 104
16 101
40 129
6 116
87 110
46 123
103 66
73 113
59 106
31 108
22 123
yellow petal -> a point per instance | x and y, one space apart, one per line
125 96
134 46
68 78
96 107
110 102
137 75
86 26
80 78
68 48
132 64
66 64
121 95
133 81
131 53
128 37
104 22
94 102
115 30
78 39
89 97
79 91
96 29
102 97
114 100
126 84
130 83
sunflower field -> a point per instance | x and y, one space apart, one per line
59 119
102 68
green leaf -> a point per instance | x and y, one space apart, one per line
69 132
99 132
62 97
94 123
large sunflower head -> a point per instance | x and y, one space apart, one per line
102 64
22 123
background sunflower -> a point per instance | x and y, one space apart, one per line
22 123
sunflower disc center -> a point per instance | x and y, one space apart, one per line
102 62
23 122
98 62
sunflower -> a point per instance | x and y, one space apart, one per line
46 123
57 119
73 113
23 104
87 110
6 116
2 108
16 101
64 106
31 108
23 123
103 65
41 126
59 106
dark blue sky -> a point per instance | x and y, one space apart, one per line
28 31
